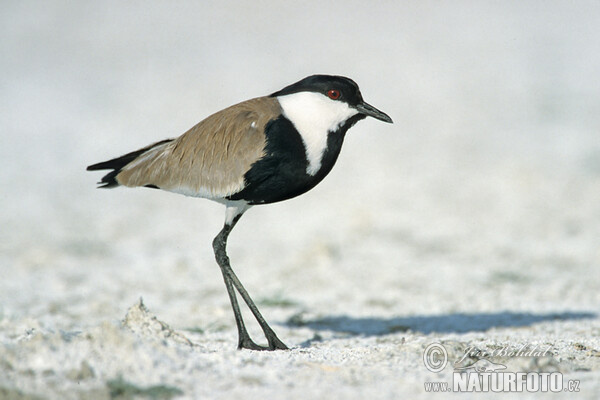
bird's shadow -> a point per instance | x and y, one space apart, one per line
444 323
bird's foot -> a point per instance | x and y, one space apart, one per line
247 343
274 344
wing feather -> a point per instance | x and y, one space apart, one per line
211 158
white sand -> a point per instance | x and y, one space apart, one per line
474 220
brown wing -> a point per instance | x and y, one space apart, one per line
210 159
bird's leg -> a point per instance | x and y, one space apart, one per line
273 340
244 340
231 281
219 245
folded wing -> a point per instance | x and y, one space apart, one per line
209 160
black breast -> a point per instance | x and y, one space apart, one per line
281 173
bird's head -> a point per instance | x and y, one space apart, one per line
326 101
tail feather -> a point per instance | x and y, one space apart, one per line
117 164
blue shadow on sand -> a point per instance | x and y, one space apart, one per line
445 323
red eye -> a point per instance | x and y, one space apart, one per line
333 94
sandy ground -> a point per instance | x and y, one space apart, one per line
473 221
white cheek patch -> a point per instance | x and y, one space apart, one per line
314 115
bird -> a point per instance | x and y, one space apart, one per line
481 365
260 151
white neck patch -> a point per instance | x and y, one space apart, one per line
314 115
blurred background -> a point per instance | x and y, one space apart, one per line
488 180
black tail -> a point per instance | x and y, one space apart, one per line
117 164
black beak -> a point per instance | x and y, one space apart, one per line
369 110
